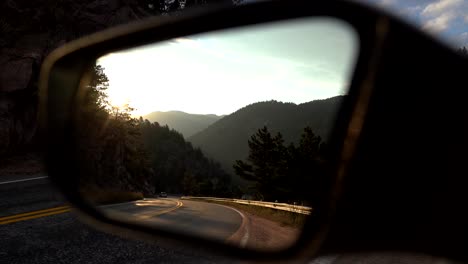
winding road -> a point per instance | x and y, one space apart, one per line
199 218
36 226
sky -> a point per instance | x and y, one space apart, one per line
445 19
220 72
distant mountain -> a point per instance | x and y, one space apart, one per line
226 139
187 124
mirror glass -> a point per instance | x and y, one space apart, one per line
223 134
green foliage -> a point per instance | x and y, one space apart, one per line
120 152
225 140
266 163
179 167
285 173
110 152
95 99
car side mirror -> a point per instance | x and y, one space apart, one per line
228 128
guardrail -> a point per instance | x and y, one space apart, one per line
278 206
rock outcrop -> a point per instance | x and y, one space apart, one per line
29 30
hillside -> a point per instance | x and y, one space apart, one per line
226 139
30 30
187 124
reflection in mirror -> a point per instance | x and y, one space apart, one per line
222 135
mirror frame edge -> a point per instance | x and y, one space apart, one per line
89 48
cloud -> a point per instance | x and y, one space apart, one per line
411 12
438 16
464 36
440 7
412 9
385 3
460 40
439 23
445 19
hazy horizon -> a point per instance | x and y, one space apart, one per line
168 111
171 111
220 72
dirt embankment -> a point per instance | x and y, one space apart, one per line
265 228
269 235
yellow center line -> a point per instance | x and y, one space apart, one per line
146 216
35 214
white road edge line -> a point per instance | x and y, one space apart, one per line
133 202
246 236
244 223
23 180
117 204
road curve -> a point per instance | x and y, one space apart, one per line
198 218
62 238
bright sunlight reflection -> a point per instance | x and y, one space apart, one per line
220 72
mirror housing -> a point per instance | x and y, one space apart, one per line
338 225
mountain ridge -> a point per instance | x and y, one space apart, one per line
226 139
185 123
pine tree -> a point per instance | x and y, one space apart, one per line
285 173
463 51
265 164
309 170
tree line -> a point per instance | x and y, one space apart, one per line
288 173
120 152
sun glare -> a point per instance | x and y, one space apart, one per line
218 73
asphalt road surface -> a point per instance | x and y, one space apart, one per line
36 226
199 218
